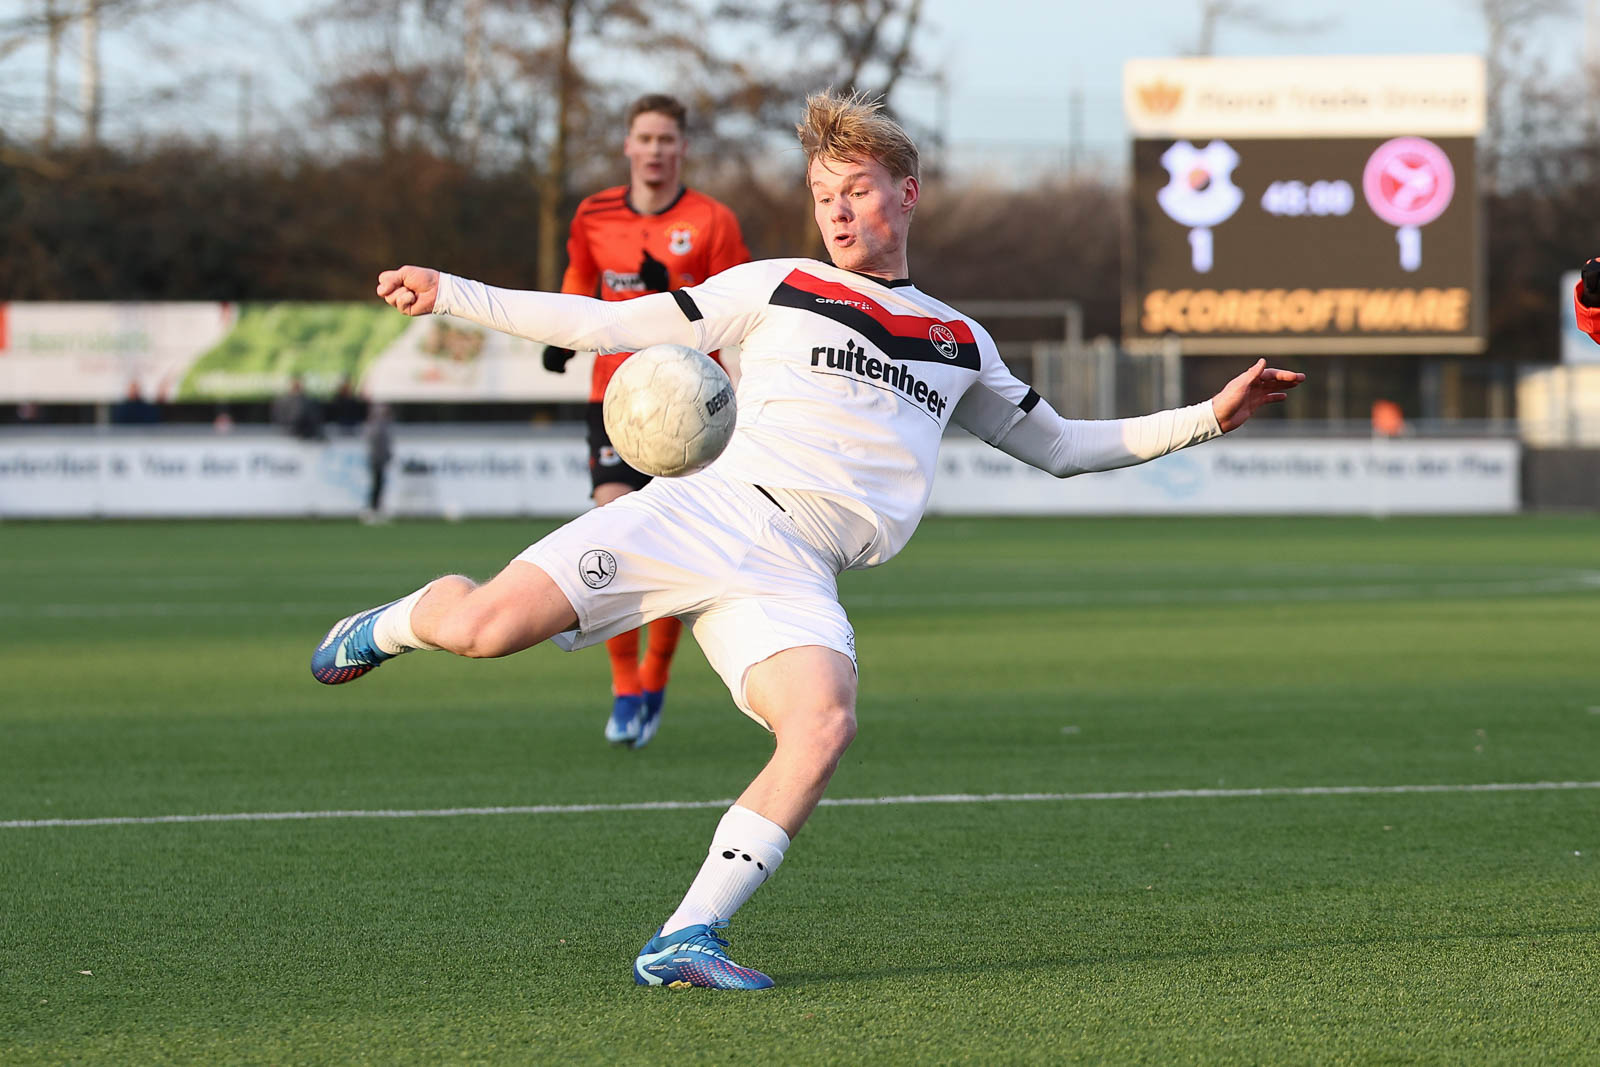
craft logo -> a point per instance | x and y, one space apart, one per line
1160 97
680 239
597 567
944 340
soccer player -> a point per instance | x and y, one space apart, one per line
1586 300
649 236
851 375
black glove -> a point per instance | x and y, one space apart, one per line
653 273
1591 284
555 359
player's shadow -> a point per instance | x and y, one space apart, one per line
1057 962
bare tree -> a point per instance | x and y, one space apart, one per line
1216 15
54 25
50 23
1509 66
865 45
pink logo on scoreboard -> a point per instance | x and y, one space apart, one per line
1408 181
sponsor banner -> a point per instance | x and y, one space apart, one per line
88 353
1305 96
137 477
1240 476
441 357
197 352
470 475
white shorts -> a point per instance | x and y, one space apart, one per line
714 552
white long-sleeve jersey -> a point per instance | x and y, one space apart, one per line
847 382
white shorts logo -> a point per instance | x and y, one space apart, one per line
597 567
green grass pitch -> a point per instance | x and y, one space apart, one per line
160 669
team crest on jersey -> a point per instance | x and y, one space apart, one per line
944 339
680 239
597 567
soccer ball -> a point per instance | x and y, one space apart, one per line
669 410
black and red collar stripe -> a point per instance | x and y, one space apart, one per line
915 338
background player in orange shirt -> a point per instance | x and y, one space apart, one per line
649 236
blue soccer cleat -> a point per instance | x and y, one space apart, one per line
693 958
627 717
348 651
650 719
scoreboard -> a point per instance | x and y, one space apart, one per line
1352 227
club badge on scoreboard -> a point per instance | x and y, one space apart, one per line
1200 193
1408 182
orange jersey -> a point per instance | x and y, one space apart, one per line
621 254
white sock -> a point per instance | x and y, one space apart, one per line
392 632
745 850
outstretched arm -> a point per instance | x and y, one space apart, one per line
559 319
1033 432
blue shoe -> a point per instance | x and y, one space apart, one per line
348 651
693 958
627 714
650 719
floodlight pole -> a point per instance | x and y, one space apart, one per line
89 75
1071 313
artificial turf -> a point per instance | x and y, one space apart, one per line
160 669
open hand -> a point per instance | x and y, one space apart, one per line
410 289
1259 385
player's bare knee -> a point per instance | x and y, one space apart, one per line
492 638
470 630
839 727
825 728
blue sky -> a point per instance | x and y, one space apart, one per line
1012 66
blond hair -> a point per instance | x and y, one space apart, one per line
853 128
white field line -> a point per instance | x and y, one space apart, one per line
1287 593
829 802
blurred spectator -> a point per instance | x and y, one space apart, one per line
346 410
1387 420
134 409
223 420
378 435
27 411
297 413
